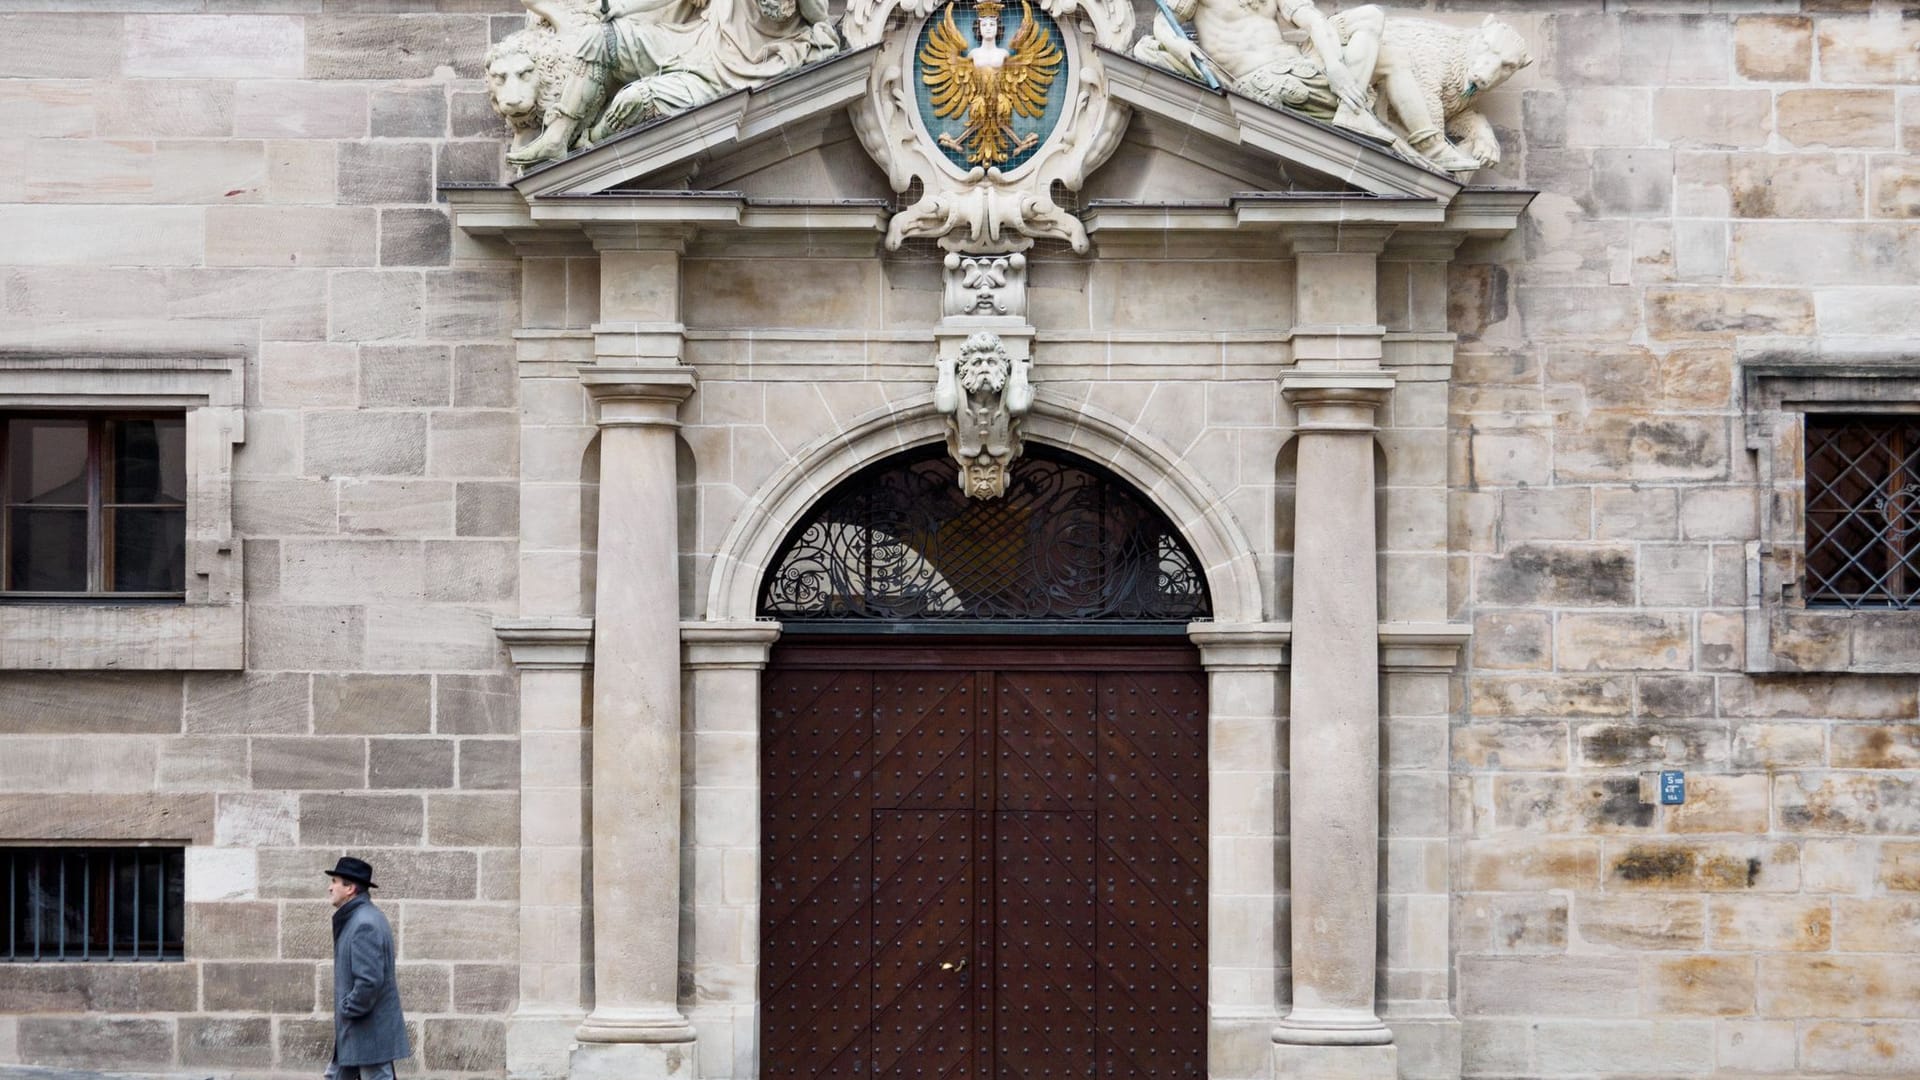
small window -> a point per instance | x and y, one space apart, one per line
1863 511
105 904
93 506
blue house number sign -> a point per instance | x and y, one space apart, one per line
1673 788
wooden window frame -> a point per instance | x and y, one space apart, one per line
99 548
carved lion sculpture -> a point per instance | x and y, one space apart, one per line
525 73
1453 67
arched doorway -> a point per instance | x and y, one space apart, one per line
984 782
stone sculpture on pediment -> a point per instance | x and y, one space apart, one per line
584 70
986 106
984 392
1358 69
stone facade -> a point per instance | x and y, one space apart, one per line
1580 459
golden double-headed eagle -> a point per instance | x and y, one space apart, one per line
987 86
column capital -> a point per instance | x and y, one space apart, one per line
639 236
1338 239
1241 646
556 643
639 395
1337 401
710 645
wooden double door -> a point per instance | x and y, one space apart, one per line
983 862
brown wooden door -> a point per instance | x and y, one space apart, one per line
983 862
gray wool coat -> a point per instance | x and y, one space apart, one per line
367 1026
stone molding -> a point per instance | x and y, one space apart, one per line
1132 453
646 395
552 643
1425 648
1335 402
1258 646
206 632
1782 633
707 646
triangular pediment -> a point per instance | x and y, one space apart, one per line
788 147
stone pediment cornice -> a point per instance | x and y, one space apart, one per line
646 175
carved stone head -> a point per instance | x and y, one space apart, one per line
1498 52
984 365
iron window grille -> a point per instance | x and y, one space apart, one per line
1067 543
93 506
93 904
1863 511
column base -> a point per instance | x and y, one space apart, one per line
539 1043
632 1061
1292 1061
1332 1027
655 1025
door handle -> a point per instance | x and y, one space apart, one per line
948 965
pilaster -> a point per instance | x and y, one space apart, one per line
552 657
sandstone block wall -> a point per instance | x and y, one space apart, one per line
1716 186
261 176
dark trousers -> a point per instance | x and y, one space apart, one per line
360 1072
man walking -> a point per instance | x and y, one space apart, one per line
369 1034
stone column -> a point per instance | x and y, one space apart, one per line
1332 1028
636 1030
1243 663
723 662
551 656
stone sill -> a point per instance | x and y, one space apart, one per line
122 637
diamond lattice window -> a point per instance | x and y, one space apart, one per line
1863 511
1067 543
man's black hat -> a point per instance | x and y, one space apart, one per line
353 870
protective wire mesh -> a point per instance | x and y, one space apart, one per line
1863 511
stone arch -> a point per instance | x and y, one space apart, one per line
1135 456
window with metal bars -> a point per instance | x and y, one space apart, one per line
93 904
93 506
1863 511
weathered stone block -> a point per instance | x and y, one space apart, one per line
373 305
1558 575
1513 640
118 987
1773 48
1850 697
1798 186
256 819
258 987
216 46
127 236
1813 119
290 236
1646 641
1525 864
488 820
53 818
474 571
283 507
306 763
1570 1047
1521 745
1638 922
396 507
410 112
1869 51
233 930
1698 986
385 172
361 819
1722 804
486 508
1694 312
366 444
211 1040
1729 118
377 47
53 703
425 988
1713 866
411 763
485 376
1771 924
490 764
1899 869
1590 986
472 303
475 445
1632 182
425 875
1561 805
1885 1048
372 704
415 238
465 1044
468 932
1817 986
95 1042
192 763
1895 188
1547 695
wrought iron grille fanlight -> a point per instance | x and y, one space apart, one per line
1068 542
1863 511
